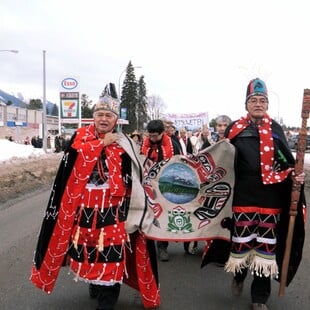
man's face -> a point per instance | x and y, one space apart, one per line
183 133
105 121
135 138
220 128
257 107
169 130
155 136
205 132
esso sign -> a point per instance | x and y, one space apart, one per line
69 83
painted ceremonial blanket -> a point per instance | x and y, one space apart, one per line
191 195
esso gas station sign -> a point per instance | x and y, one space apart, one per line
69 84
69 100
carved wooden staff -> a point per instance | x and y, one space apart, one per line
295 194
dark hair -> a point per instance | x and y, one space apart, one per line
155 125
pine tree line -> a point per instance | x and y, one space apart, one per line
133 101
136 107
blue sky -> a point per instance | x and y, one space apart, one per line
198 55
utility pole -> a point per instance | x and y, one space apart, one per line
44 129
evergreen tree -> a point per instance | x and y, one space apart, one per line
85 106
142 117
35 104
129 98
55 110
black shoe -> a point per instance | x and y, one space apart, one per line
191 247
93 290
108 296
163 254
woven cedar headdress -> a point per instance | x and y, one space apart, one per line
108 100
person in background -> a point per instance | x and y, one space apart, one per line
27 141
171 132
216 246
204 139
194 139
158 146
34 141
187 148
136 137
288 135
96 190
185 142
221 123
57 145
38 142
262 194
190 137
48 142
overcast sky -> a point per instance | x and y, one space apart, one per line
198 56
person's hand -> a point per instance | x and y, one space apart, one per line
299 178
109 138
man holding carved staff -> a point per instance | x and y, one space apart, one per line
264 176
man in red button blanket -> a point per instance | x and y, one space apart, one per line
93 220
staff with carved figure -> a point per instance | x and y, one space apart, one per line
296 191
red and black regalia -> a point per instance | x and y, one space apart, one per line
262 196
159 150
93 219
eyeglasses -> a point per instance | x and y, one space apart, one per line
254 100
100 114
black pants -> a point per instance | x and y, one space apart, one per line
260 287
162 244
108 296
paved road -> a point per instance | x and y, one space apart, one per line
184 285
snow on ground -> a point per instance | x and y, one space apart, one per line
11 150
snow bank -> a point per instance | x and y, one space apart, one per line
12 150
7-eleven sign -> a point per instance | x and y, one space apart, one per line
69 108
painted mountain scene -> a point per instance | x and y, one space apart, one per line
178 183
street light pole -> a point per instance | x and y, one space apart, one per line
15 118
44 131
278 103
119 83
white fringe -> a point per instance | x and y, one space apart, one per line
264 267
236 264
256 264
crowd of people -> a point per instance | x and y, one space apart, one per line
99 187
57 144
